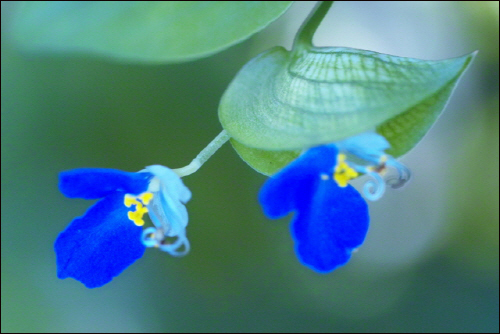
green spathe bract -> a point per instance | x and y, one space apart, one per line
282 100
264 161
143 31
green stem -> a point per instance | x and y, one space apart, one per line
204 155
306 32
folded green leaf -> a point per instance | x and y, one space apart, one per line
406 129
282 101
145 31
265 162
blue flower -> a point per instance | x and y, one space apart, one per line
331 218
109 237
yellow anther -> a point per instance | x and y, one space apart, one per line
140 209
136 216
383 164
130 200
341 158
381 168
146 198
343 173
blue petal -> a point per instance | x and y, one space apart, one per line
328 227
330 221
297 182
92 183
99 245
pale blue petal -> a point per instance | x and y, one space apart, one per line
368 146
174 185
167 207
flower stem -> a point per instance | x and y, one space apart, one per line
204 155
306 32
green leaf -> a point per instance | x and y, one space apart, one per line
265 162
405 130
285 100
146 31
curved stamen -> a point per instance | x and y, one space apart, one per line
369 147
153 237
173 248
404 174
374 189
148 237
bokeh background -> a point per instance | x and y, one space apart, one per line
429 264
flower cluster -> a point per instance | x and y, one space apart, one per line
331 218
109 237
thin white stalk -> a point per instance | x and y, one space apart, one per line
204 155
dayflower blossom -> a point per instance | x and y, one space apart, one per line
331 218
109 237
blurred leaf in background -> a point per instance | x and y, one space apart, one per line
429 264
141 31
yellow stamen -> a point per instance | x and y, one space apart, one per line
146 198
139 202
381 168
343 173
136 216
130 200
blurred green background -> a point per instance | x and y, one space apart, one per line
429 264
